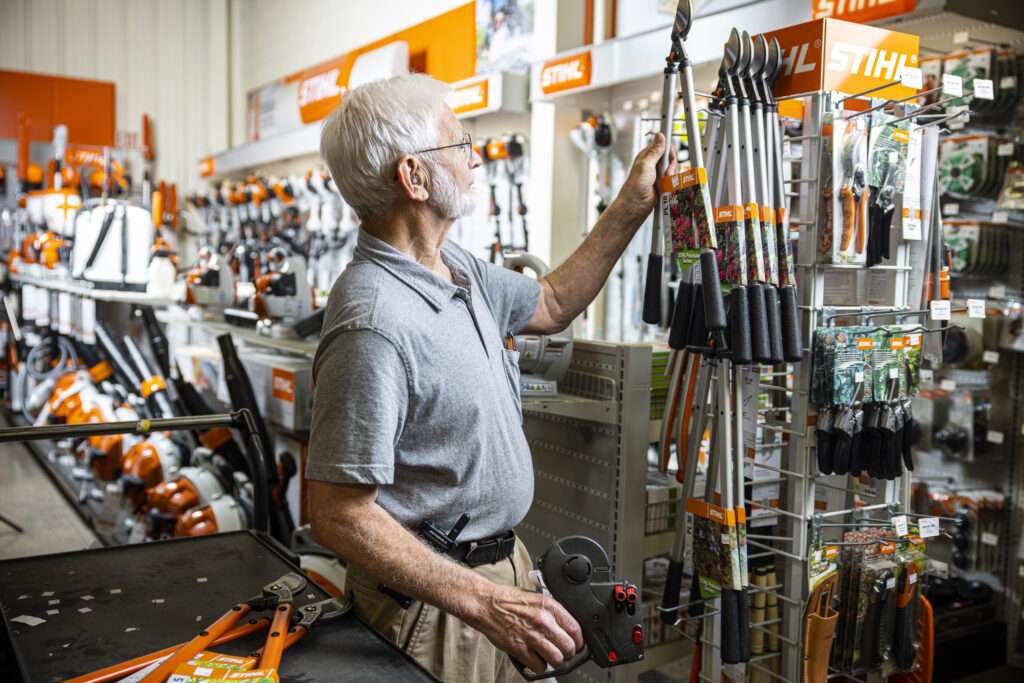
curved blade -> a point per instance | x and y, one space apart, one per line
682 24
759 58
733 53
775 60
746 55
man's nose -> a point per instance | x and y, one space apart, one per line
475 160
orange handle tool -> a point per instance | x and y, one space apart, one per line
270 658
849 217
199 643
683 443
121 669
673 407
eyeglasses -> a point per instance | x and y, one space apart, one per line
467 143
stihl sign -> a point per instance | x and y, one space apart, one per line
860 10
319 94
469 97
829 54
565 73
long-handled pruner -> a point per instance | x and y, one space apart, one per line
275 595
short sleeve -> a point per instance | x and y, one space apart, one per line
360 404
512 296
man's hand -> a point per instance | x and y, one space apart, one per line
531 627
638 195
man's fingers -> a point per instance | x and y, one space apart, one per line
531 661
568 624
547 650
655 147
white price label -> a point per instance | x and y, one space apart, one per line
983 89
961 38
913 578
725 539
940 309
928 526
858 377
997 292
894 157
911 77
976 308
894 373
890 583
952 86
993 436
950 209
1001 217
990 357
947 385
927 377
899 523
912 229
988 538
1005 149
1008 82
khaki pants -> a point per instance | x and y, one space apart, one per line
442 644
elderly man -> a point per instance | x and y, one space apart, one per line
416 416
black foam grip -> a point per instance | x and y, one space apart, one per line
792 349
681 314
731 649
771 305
760 346
670 599
714 306
652 291
739 327
698 331
746 647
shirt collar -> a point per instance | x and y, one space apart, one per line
435 290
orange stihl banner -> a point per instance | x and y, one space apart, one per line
565 73
860 10
829 54
472 96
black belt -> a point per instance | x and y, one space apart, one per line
485 551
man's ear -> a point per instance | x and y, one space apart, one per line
413 177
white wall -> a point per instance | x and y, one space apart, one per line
167 59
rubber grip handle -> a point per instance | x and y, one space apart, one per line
731 653
792 349
714 306
760 346
746 646
739 327
697 335
652 291
681 315
670 598
771 305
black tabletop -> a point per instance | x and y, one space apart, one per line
112 604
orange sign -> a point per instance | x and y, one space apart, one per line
860 10
865 343
282 385
469 97
319 94
565 73
207 167
829 54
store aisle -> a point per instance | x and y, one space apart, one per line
30 499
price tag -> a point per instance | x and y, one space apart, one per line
858 377
894 373
1005 149
983 89
913 578
1001 217
912 229
927 378
911 77
961 38
940 309
997 292
947 385
899 523
950 209
989 538
990 357
975 308
928 526
894 157
995 437
890 583
1008 82
952 86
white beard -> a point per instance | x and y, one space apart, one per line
445 196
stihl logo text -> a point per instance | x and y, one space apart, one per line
868 61
561 73
320 87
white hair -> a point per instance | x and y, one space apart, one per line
376 124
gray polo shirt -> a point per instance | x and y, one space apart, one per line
416 391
